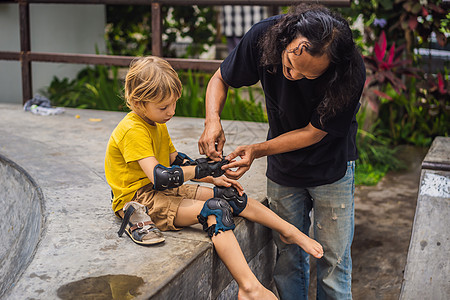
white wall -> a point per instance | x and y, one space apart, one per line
60 28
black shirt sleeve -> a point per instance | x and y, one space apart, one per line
241 66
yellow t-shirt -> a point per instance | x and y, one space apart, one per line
134 139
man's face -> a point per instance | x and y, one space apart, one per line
299 64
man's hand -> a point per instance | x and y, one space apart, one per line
247 155
212 141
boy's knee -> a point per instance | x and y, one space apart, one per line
216 215
212 219
231 195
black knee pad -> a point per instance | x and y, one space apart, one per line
231 195
224 217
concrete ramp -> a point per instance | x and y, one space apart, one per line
21 202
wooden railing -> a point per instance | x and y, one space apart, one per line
26 56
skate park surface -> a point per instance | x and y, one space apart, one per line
61 236
60 231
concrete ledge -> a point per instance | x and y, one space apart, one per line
428 267
79 253
21 201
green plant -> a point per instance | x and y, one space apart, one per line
409 22
435 93
194 22
411 119
237 107
192 100
129 31
422 18
92 88
376 156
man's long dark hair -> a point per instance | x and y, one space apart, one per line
328 33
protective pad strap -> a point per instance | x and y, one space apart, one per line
183 160
224 217
167 178
231 195
207 167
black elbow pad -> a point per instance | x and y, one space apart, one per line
167 178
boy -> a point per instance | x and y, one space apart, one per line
146 175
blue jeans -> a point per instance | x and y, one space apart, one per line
333 228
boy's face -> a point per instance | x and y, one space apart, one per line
160 112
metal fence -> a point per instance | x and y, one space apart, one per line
26 56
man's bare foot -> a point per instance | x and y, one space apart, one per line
259 293
305 242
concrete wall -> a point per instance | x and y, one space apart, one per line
60 28
428 267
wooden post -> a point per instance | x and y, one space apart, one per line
24 17
156 29
274 10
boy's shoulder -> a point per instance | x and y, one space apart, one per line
129 122
133 122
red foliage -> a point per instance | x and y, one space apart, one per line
387 67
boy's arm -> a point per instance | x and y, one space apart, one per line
148 165
179 172
181 159
173 156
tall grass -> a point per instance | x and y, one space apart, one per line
237 106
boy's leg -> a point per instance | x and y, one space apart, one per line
333 228
227 248
189 209
291 272
231 255
255 211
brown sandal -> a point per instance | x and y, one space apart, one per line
139 226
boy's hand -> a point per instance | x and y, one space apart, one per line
227 182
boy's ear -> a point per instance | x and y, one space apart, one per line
138 105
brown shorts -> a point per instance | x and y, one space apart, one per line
163 205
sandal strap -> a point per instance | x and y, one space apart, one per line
125 220
140 225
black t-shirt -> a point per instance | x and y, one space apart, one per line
292 105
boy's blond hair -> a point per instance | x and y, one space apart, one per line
150 79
